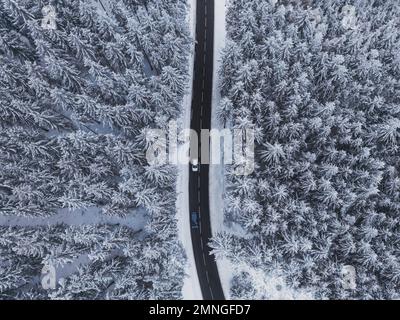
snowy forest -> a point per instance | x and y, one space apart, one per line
319 81
75 102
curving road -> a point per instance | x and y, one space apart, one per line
199 181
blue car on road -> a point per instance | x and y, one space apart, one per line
195 220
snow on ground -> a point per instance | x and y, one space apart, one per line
90 216
136 220
217 171
271 287
191 287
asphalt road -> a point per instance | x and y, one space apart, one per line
199 181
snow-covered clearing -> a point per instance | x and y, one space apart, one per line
191 287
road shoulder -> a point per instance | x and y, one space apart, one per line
217 171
